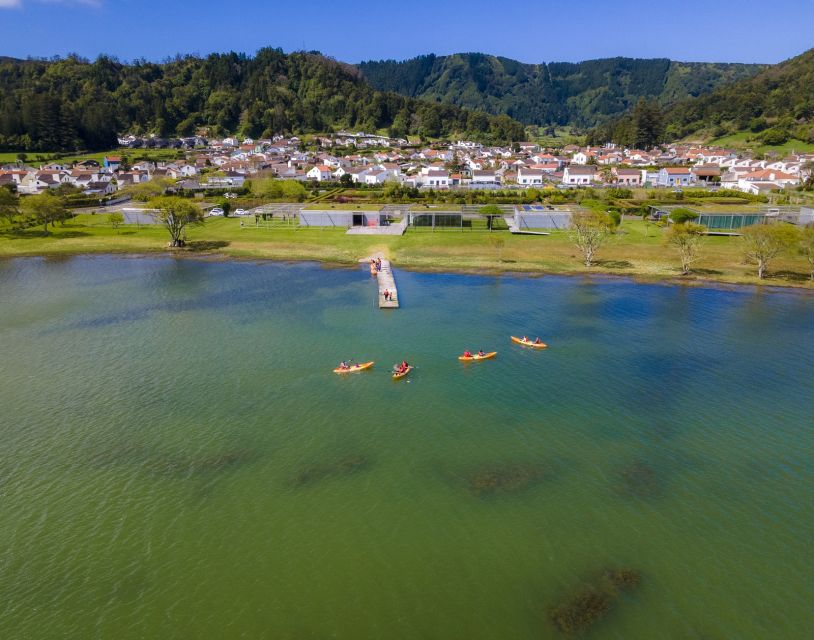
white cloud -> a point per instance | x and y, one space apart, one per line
9 4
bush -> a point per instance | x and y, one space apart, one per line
774 137
682 215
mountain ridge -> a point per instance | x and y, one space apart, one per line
581 94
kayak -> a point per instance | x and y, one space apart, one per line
354 368
399 376
529 343
485 356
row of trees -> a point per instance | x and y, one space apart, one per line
761 243
72 103
44 209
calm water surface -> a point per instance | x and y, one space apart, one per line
178 460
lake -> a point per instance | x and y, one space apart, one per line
179 461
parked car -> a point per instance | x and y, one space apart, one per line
241 212
217 211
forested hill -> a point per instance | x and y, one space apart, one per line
582 94
72 103
772 107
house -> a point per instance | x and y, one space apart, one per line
707 174
99 189
436 178
528 177
112 162
320 173
675 177
485 176
628 177
765 180
579 175
376 176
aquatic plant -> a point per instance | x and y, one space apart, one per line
623 579
582 609
506 479
639 479
594 599
328 469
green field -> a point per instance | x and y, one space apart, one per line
742 141
33 157
637 250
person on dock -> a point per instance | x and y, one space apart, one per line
378 264
386 294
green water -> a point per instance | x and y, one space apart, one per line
178 460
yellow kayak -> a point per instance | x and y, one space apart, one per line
529 343
354 368
399 376
485 356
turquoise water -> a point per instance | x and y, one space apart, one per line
178 460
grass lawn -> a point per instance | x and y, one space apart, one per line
133 154
637 251
741 141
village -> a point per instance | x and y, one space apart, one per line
360 159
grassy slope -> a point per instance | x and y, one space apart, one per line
152 154
630 253
742 141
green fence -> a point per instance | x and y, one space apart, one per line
729 220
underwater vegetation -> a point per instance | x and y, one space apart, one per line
504 479
333 468
167 464
640 480
594 599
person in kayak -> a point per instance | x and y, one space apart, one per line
481 353
525 339
467 354
538 341
344 365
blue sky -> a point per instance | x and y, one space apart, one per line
350 30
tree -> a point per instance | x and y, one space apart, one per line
589 229
115 219
144 191
226 206
45 208
648 126
498 243
682 215
9 205
762 243
491 211
346 180
686 237
175 214
807 247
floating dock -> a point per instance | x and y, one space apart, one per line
385 282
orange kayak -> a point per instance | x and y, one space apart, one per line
529 343
354 368
399 376
485 356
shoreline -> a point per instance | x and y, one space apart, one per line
638 278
